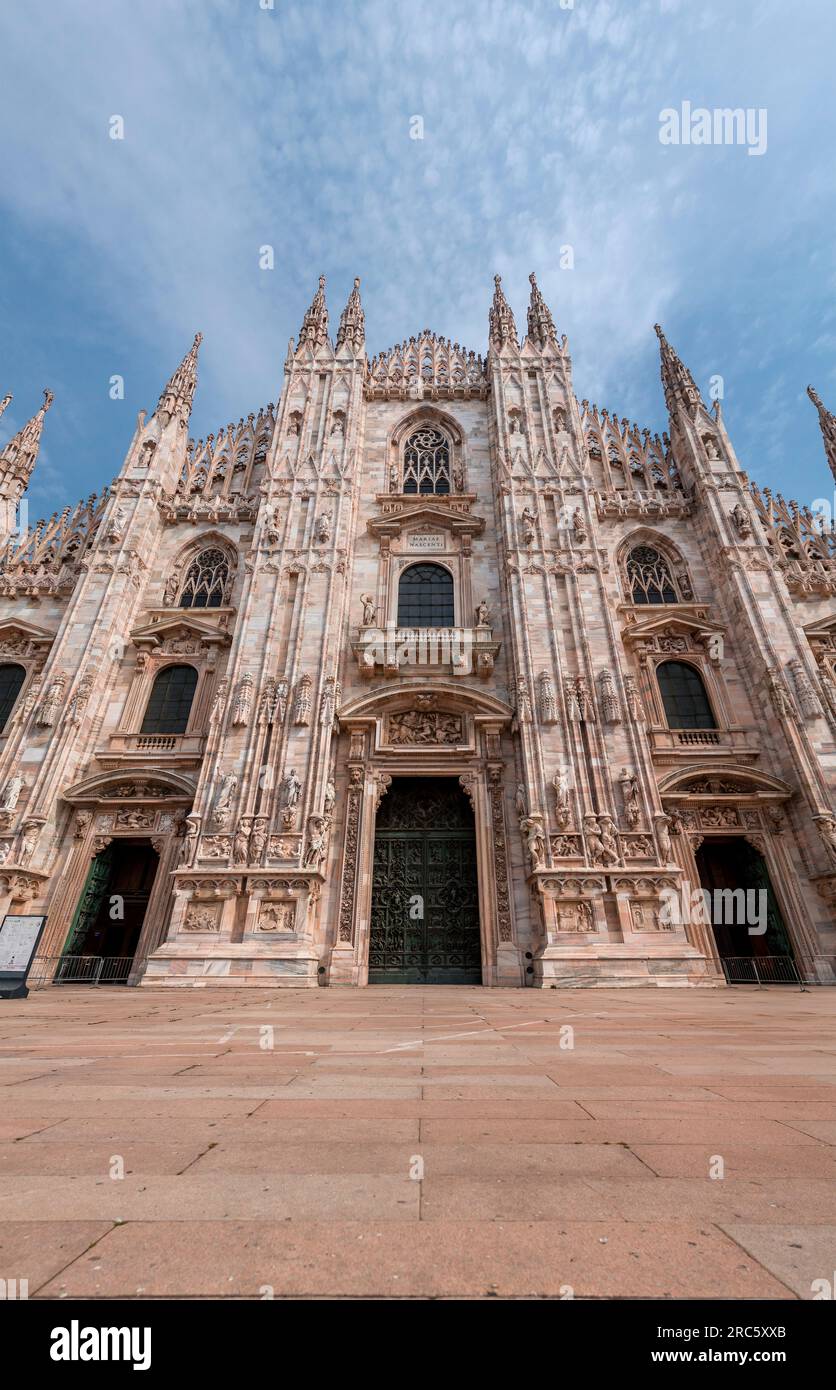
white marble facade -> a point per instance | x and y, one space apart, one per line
590 805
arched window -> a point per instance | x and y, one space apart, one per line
426 462
683 695
11 679
649 576
171 701
206 579
425 597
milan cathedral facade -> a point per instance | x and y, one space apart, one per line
431 672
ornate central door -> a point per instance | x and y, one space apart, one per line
425 899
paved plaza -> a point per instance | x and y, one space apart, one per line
418 1143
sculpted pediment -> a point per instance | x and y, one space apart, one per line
422 515
183 632
19 638
161 785
669 631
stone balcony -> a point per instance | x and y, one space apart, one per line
456 651
673 745
164 749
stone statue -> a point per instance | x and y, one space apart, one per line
11 792
258 840
741 522
291 791
241 844
223 801
519 802
663 838
317 835
482 614
609 841
529 526
330 798
28 841
369 610
826 826
562 786
592 838
535 840
189 845
323 528
630 793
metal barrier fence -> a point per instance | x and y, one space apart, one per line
761 971
79 970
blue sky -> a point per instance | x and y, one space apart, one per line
290 126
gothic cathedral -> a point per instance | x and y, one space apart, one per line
429 673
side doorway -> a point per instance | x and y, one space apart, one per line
105 930
745 914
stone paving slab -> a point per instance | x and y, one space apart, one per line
416 1259
418 1142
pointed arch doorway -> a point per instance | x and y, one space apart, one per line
424 925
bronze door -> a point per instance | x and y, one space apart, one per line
425 900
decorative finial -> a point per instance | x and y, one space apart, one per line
178 393
541 328
678 384
314 328
827 422
18 457
501 326
352 328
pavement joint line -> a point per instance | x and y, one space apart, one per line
478 1032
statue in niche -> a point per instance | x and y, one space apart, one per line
630 793
223 802
241 844
330 798
317 837
529 526
369 610
663 838
323 528
519 802
483 614
534 840
562 787
11 792
258 840
593 840
189 845
609 841
741 522
28 841
291 791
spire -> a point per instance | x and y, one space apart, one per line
352 328
501 326
827 420
17 459
679 386
314 328
540 322
7 400
178 394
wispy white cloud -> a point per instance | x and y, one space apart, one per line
291 127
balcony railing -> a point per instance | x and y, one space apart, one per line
732 742
156 745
